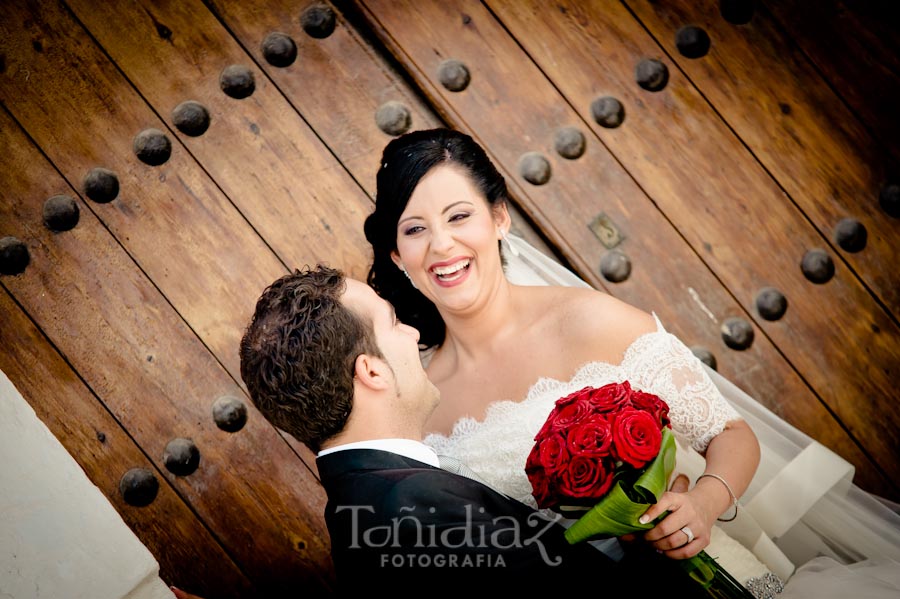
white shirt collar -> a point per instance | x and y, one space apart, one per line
415 450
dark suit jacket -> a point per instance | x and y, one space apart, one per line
396 523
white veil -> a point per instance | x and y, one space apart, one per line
802 503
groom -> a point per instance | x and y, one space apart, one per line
325 359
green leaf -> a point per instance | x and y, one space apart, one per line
618 512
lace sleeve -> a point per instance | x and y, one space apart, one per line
660 363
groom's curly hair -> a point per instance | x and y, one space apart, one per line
298 354
404 161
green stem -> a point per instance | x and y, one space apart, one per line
707 572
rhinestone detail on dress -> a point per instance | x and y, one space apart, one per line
767 586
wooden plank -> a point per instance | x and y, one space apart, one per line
221 329
158 380
117 330
854 44
803 134
258 150
168 528
264 180
513 108
262 155
730 211
337 84
184 233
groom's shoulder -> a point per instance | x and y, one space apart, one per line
412 482
426 495
430 485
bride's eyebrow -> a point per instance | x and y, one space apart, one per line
446 209
450 207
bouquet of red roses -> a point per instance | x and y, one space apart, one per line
604 456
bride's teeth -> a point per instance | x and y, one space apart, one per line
443 272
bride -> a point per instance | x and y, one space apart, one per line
506 332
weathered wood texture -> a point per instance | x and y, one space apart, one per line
257 192
128 325
672 173
337 84
158 381
137 327
854 44
774 101
104 449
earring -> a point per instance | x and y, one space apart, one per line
512 249
408 277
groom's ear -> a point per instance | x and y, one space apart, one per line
372 372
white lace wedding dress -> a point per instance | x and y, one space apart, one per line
801 520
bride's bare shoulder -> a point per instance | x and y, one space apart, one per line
596 317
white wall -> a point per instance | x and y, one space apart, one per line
60 538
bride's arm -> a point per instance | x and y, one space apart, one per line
659 363
733 455
700 414
731 460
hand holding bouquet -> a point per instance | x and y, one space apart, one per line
604 456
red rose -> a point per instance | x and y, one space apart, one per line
580 395
589 439
568 411
552 453
592 437
585 478
541 489
652 404
636 437
611 397
547 428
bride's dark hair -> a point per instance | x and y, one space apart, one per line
405 160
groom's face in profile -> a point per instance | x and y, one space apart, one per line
398 344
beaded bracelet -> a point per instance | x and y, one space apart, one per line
734 499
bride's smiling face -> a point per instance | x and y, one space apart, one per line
447 238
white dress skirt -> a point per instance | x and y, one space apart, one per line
801 521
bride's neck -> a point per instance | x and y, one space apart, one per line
473 334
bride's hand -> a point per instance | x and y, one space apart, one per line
687 518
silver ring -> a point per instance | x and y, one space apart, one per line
689 533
